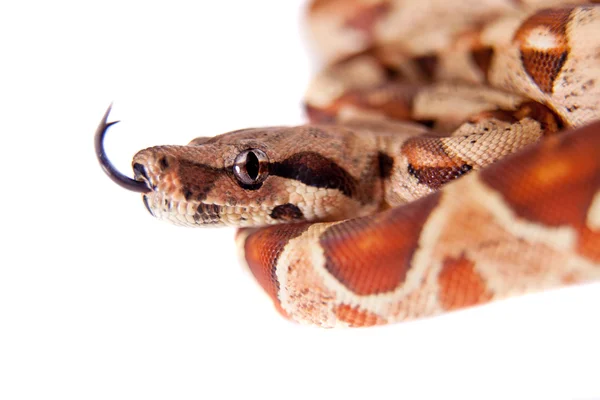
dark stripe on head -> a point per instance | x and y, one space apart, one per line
197 180
287 212
313 169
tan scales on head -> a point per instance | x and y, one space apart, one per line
302 173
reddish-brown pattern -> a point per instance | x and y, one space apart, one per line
461 285
544 65
589 244
554 183
429 162
356 317
372 255
262 249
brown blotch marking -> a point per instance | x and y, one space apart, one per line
435 177
262 250
313 169
544 65
553 183
386 164
427 65
356 317
287 212
483 59
392 99
373 254
461 285
197 180
549 122
500 115
429 162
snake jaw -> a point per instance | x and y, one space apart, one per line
110 170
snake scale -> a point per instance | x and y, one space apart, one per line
452 158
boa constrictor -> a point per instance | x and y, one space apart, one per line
357 218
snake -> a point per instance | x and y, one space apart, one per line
451 158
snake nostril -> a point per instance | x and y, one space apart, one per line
140 171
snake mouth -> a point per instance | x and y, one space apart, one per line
181 212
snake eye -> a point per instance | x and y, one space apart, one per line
251 167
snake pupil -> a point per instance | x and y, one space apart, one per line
252 166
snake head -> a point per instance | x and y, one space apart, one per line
262 176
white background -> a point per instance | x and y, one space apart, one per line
100 301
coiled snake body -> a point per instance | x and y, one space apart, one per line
367 221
